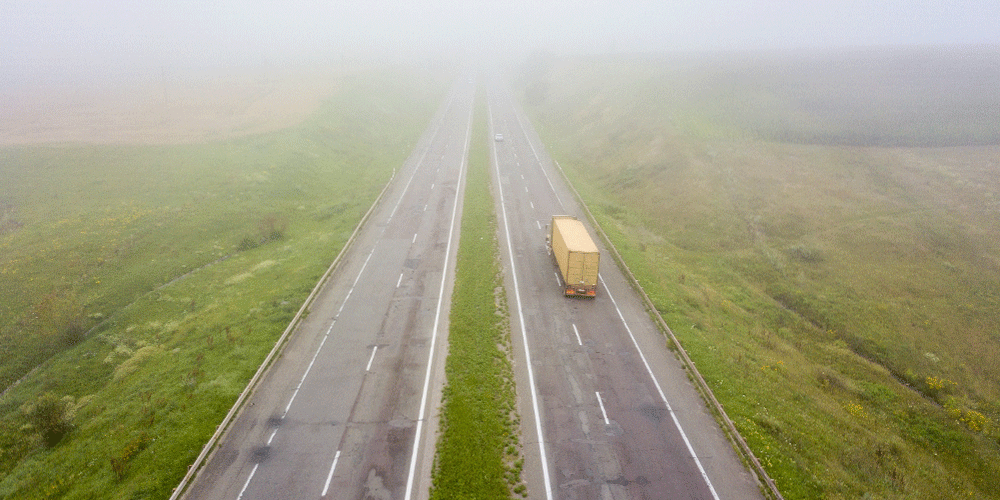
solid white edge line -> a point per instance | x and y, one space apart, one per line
524 333
663 396
437 315
603 412
329 477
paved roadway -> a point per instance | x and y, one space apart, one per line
607 411
349 409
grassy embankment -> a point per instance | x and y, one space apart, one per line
820 232
478 451
147 283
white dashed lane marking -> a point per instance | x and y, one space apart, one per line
603 412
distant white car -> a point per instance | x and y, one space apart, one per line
498 137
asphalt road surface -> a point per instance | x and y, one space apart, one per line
607 411
349 409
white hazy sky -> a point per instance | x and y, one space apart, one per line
51 33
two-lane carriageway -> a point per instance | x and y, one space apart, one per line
607 411
348 409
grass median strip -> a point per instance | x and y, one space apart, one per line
478 451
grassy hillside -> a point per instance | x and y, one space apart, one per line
143 285
840 298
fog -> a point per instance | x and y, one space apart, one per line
44 38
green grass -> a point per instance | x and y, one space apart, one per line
184 263
841 301
478 452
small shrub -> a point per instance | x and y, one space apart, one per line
936 387
272 227
74 333
51 416
974 420
805 254
829 380
247 243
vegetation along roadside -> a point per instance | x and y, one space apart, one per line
143 285
826 256
478 452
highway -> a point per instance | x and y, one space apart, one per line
607 411
349 409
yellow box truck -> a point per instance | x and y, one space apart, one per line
576 255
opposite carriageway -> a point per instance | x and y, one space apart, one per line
345 411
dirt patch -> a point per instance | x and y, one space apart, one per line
167 108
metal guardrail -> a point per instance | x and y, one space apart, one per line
768 487
279 345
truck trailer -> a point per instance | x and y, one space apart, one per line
576 255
